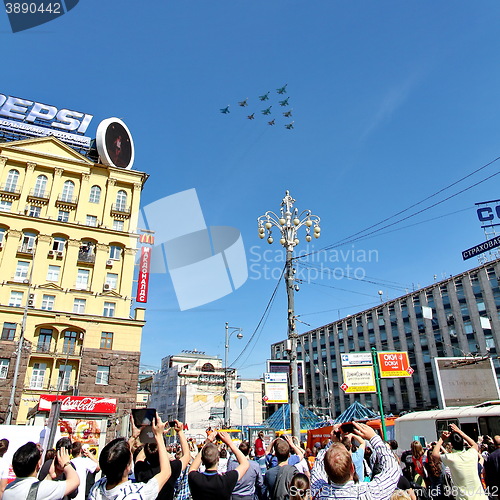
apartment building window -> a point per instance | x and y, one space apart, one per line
109 309
69 345
2 235
44 340
95 194
9 331
82 279
79 306
40 186
106 340
28 242
34 211
16 299
64 377
48 302
121 200
91 221
118 225
115 252
53 273
21 270
58 244
112 280
38 375
4 367
102 375
5 206
63 216
67 194
12 179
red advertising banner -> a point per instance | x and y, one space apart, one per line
143 281
394 364
78 404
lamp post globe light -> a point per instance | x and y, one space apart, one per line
227 388
288 224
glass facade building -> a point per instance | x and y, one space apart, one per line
455 317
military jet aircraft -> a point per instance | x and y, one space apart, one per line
289 125
243 103
266 111
287 114
282 90
225 110
271 122
284 102
251 117
264 97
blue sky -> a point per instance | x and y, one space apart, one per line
391 100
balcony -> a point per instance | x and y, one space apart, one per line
67 201
26 249
120 211
86 257
43 347
66 350
39 195
8 192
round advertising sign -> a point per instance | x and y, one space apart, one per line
114 144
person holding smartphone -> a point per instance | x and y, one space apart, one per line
116 463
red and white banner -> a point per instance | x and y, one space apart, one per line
143 281
78 404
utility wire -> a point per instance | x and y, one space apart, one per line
268 307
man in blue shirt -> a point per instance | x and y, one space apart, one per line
252 483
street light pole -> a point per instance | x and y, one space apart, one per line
288 224
227 388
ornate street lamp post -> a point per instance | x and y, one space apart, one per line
227 383
288 224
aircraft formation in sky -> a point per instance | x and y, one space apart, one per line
267 107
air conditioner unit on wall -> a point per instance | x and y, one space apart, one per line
51 253
109 262
107 286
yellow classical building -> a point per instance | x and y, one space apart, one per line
68 235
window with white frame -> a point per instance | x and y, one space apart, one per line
34 211
109 309
95 194
38 375
40 186
58 244
82 279
16 299
63 216
121 200
21 270
118 225
79 306
68 189
48 302
102 375
4 367
91 221
64 378
112 280
28 242
12 178
53 273
115 252
5 206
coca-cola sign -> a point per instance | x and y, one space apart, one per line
78 404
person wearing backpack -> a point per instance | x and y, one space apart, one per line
278 478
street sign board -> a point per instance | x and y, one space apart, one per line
276 377
481 248
394 364
356 359
358 379
276 388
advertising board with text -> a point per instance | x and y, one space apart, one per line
275 388
394 364
358 379
356 359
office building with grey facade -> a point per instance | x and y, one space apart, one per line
458 316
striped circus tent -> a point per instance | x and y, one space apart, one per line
280 419
355 412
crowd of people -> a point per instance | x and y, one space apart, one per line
355 464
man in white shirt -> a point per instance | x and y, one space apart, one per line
26 463
84 463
